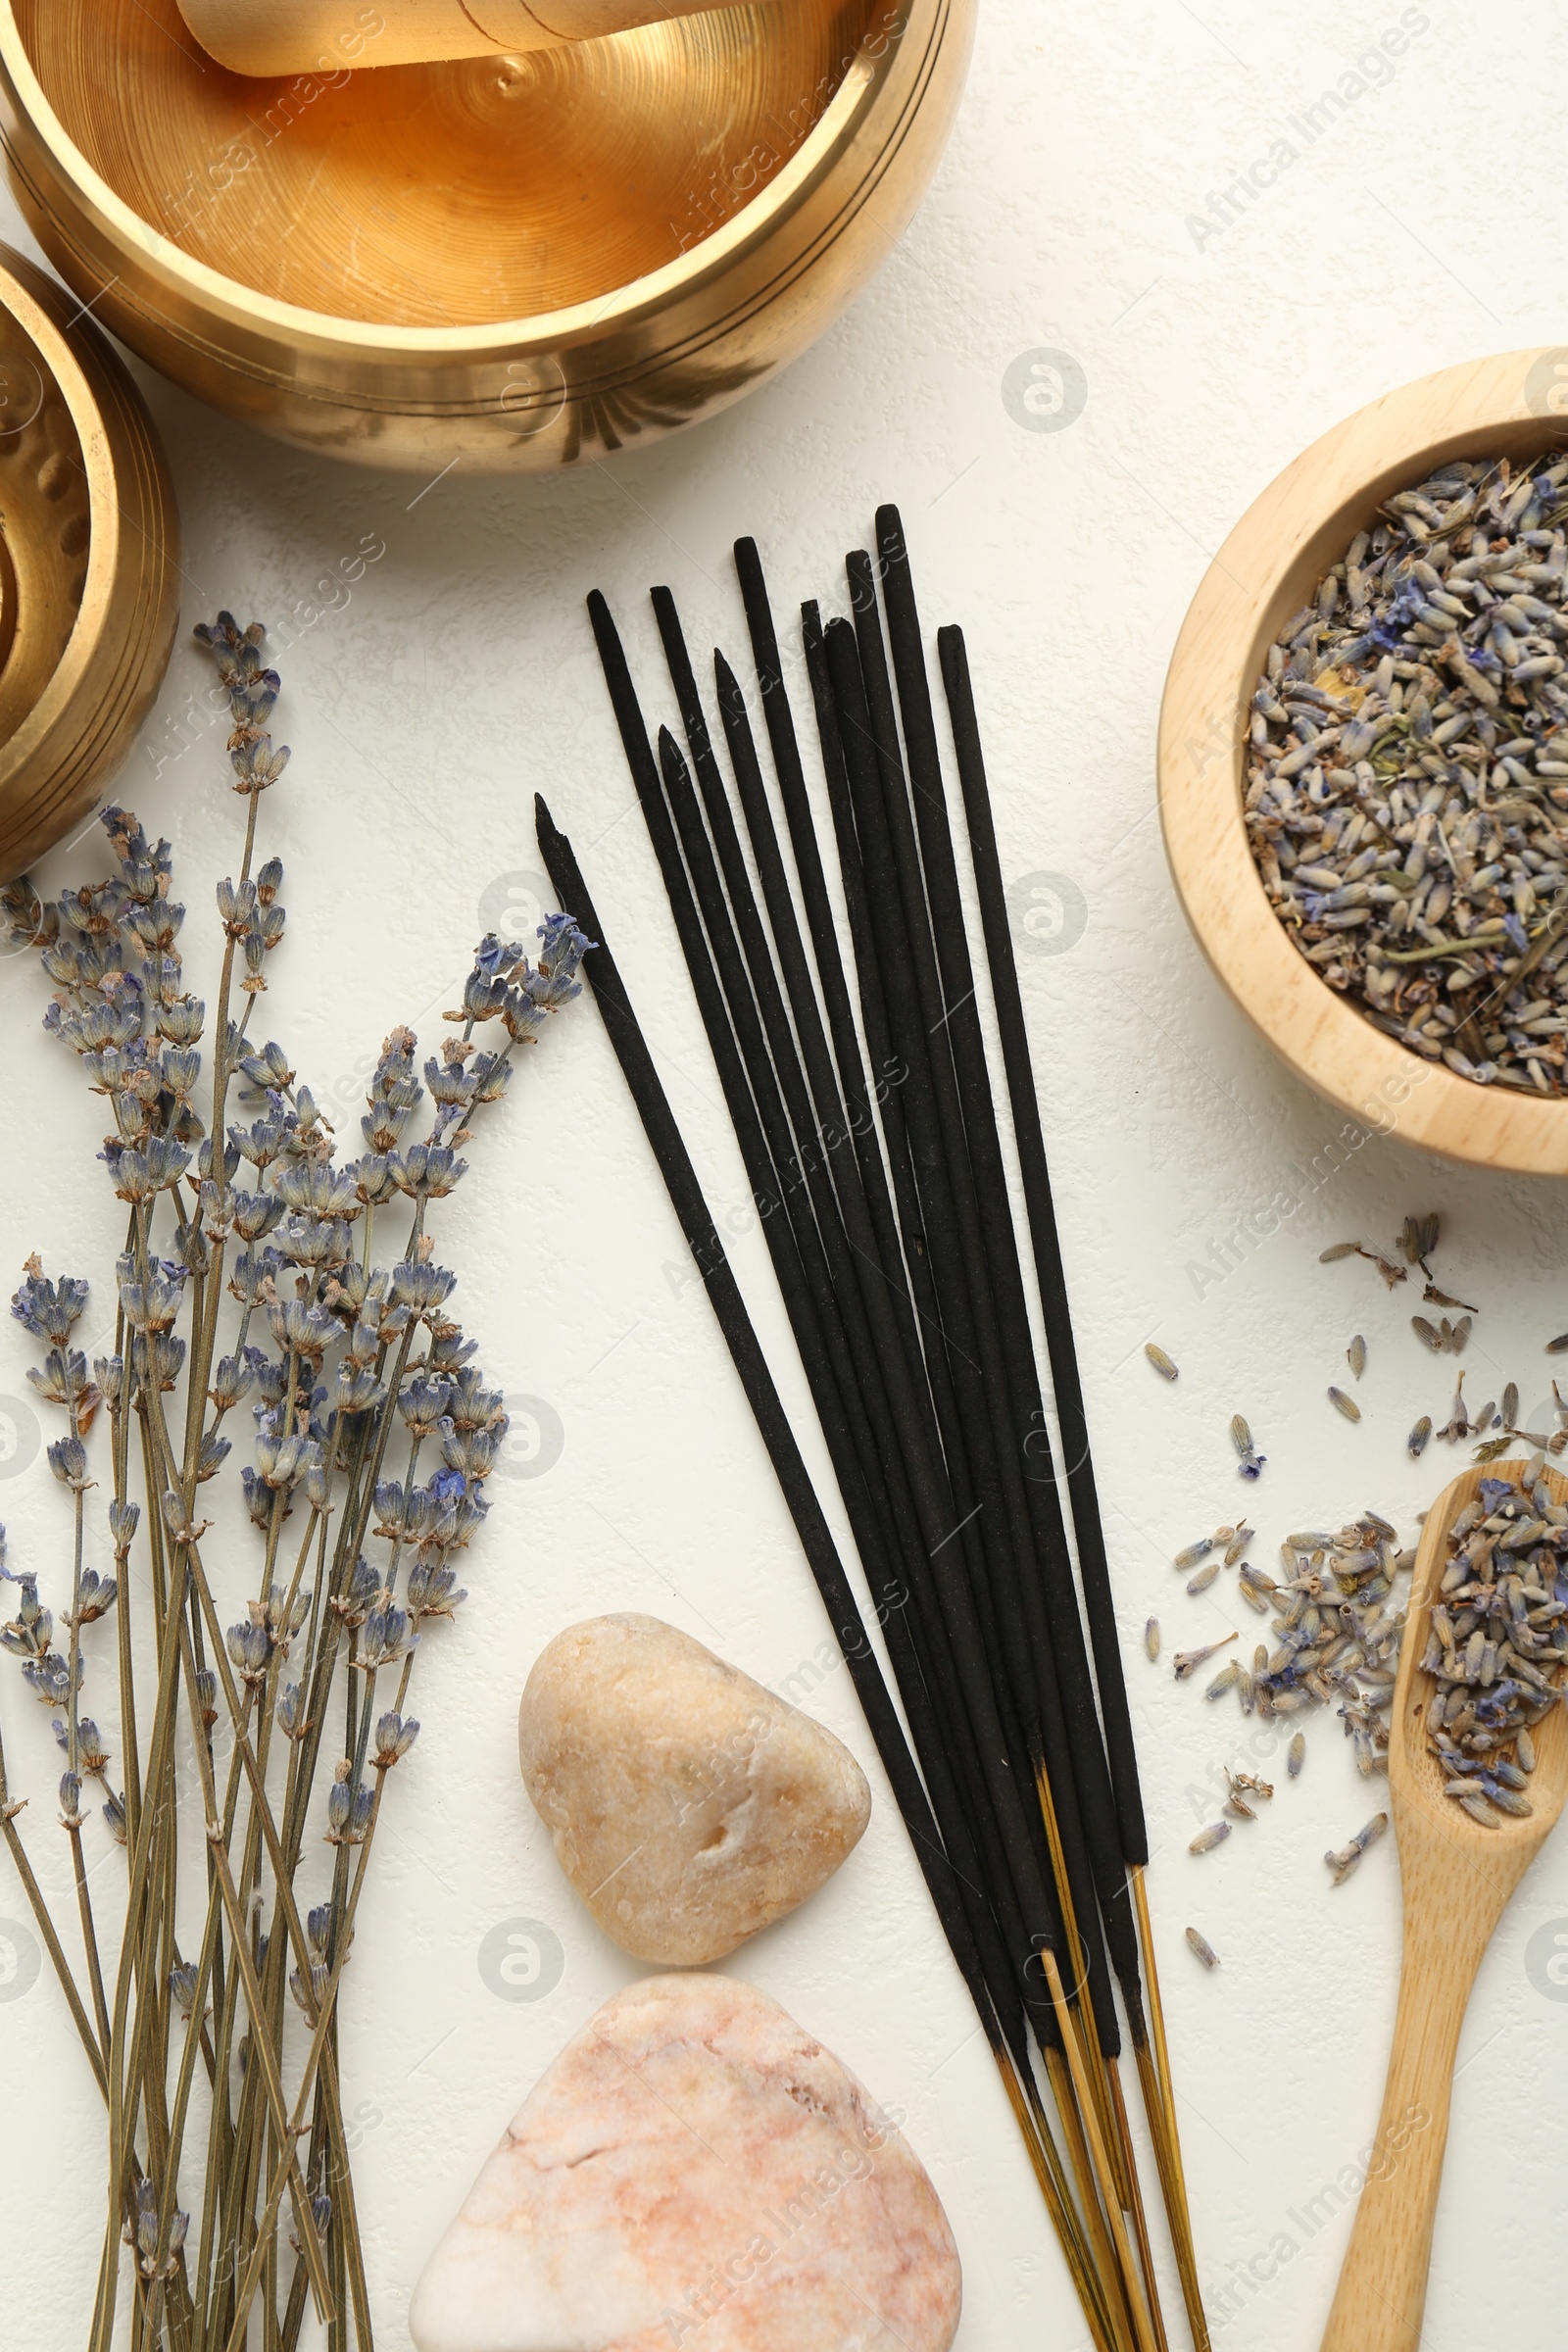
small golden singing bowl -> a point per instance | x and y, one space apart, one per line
89 562
1513 406
513 262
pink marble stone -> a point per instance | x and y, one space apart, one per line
695 2168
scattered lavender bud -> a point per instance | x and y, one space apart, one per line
1348 1858
1251 1460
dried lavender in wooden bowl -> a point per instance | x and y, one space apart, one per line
1407 781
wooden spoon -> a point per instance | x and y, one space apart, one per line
1457 1877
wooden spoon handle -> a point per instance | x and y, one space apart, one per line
1382 2285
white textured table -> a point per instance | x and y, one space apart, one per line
1417 217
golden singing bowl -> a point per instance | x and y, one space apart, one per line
89 562
510 261
1512 406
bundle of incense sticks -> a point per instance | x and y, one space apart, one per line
875 1155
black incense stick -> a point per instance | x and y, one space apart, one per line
841 1294
1077 1793
1062 1346
886 1211
1023 1652
835 1121
834 1398
1032 1440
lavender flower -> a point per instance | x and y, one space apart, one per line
426 1171
183 1022
95 1597
319 1190
348 1809
50 1681
292 1720
67 1459
431 1592
32 1630
153 1305
386 1637
48 1309
211 1456
62 1379
492 1077
474 1451
354 1603
422 1405
161 1358
310 2002
472 1404
358 1391
144 2237
393 1739
235 908
423 1288
250 1649
257 765
301 1328
232 1378
91 1754
448 1350
279 1461
562 949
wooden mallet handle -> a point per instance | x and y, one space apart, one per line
331 36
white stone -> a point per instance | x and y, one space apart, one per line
695 2168
689 1807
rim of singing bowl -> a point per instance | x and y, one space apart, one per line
1510 405
77 730
296 328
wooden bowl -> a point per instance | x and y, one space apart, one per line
89 576
1512 406
512 261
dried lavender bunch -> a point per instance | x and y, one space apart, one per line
340 1357
1497 1648
1407 793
